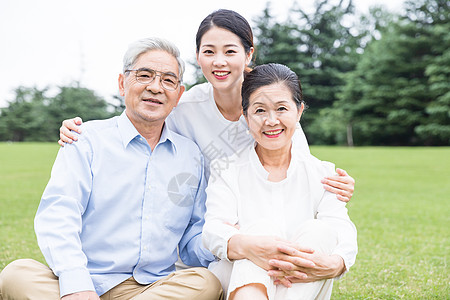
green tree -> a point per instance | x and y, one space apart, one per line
435 130
23 115
398 94
34 116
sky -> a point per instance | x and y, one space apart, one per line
58 42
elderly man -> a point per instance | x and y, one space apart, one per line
109 225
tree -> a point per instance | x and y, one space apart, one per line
33 116
23 115
398 94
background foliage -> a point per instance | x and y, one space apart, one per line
375 79
36 116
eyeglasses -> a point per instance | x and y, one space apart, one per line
168 81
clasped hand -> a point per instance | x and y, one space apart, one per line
285 261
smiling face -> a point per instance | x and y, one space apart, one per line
222 58
150 104
272 116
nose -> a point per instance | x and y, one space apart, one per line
271 119
155 86
219 60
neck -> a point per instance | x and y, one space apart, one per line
151 131
276 162
229 103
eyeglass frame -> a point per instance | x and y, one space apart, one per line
156 74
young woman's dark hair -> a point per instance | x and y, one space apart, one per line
229 20
268 74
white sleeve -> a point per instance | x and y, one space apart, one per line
221 211
334 212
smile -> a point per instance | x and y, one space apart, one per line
221 73
151 100
273 133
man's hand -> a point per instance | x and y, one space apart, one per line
86 295
343 185
293 268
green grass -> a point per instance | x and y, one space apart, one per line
401 208
24 172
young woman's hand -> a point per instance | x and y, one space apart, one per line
65 131
343 185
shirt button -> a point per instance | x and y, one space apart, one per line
149 187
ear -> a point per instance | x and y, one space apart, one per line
182 89
249 56
121 85
196 57
300 111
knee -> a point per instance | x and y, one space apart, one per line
209 284
13 272
14 279
318 235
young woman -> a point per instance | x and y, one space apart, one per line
211 113
271 189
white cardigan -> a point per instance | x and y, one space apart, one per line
241 194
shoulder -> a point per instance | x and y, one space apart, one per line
232 165
313 164
184 145
99 125
197 94
97 129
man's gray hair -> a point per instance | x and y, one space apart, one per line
153 43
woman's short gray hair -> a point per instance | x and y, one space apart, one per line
153 43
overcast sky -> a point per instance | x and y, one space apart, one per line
56 42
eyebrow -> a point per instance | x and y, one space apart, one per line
278 102
213 46
166 73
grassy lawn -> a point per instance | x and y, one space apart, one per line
401 208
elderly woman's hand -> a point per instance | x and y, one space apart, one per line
262 249
293 268
343 185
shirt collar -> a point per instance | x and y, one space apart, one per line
128 132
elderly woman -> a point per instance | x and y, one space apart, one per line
271 194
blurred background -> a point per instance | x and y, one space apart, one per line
373 72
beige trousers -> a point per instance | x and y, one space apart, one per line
29 279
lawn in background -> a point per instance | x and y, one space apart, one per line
401 209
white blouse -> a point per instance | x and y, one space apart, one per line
242 194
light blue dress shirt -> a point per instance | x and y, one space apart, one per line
113 208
